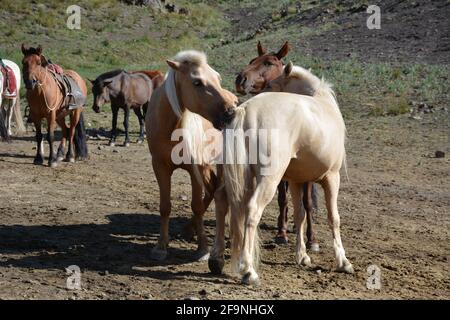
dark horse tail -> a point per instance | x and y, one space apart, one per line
81 149
314 196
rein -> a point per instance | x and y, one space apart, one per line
41 86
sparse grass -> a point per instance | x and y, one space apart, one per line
114 35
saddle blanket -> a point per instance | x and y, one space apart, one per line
9 82
55 68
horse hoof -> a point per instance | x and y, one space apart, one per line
53 164
313 247
159 254
59 159
112 144
304 261
71 160
188 232
251 279
202 255
346 268
140 141
216 265
281 240
126 144
38 162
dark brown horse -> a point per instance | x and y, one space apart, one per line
47 99
126 90
253 79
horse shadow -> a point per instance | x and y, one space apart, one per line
118 247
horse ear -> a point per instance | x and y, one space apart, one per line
173 64
91 81
283 51
24 49
261 51
39 50
288 69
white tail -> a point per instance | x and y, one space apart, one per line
237 176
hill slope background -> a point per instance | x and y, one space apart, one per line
407 59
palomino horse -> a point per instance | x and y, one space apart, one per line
191 99
306 136
46 100
254 79
10 106
124 90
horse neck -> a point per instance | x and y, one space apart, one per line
170 117
49 90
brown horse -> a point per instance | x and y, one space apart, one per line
156 76
254 79
47 99
191 87
126 90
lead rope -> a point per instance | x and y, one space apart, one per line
41 85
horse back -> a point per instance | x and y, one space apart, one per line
78 79
156 76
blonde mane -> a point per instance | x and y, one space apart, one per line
313 85
191 122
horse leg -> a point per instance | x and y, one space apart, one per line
330 186
126 119
312 243
263 194
115 112
282 237
65 133
216 261
39 159
138 113
198 208
74 118
301 256
9 112
51 123
163 176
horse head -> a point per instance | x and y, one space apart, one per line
31 63
262 69
101 88
192 84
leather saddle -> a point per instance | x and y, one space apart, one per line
74 97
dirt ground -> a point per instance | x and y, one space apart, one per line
102 215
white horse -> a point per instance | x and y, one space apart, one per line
309 147
10 107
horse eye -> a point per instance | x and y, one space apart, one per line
197 83
268 63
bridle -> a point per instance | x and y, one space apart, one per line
41 86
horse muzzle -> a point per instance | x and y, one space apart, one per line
30 84
225 118
239 83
